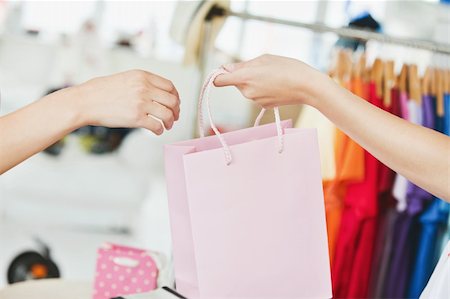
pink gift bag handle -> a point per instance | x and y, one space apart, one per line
204 95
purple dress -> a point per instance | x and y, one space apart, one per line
407 226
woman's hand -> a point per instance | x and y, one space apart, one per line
404 147
129 99
275 81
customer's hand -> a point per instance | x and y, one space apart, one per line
129 99
275 81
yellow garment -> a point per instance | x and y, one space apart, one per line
312 118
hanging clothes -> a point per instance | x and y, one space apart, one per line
349 160
401 183
447 132
433 223
354 249
395 281
379 279
359 281
407 226
312 118
386 216
395 218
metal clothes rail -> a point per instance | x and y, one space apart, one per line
437 47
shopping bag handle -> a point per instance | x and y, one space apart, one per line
204 97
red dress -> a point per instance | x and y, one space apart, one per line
355 243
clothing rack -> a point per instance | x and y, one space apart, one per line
437 47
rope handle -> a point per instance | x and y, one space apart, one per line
204 97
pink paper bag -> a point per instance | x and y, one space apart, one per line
247 213
124 270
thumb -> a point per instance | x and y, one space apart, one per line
227 79
231 67
231 78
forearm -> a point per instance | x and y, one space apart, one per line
131 99
420 154
33 128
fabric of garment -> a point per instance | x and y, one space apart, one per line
399 190
349 161
312 118
397 278
416 196
407 226
447 132
385 217
401 183
369 209
432 221
399 195
356 237
433 225
404 99
386 230
438 286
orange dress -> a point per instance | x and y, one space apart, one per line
349 161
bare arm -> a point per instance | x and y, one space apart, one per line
420 154
122 100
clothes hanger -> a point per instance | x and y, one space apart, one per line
367 70
439 92
444 81
447 81
359 66
344 67
376 76
402 79
388 82
332 70
427 82
337 68
433 82
414 84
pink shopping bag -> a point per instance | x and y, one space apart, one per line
124 270
247 212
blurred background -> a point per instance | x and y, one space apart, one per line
100 185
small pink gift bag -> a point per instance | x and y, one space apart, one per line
122 271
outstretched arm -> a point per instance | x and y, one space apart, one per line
420 154
128 99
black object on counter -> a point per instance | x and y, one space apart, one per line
32 265
174 292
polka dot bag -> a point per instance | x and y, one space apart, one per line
123 271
